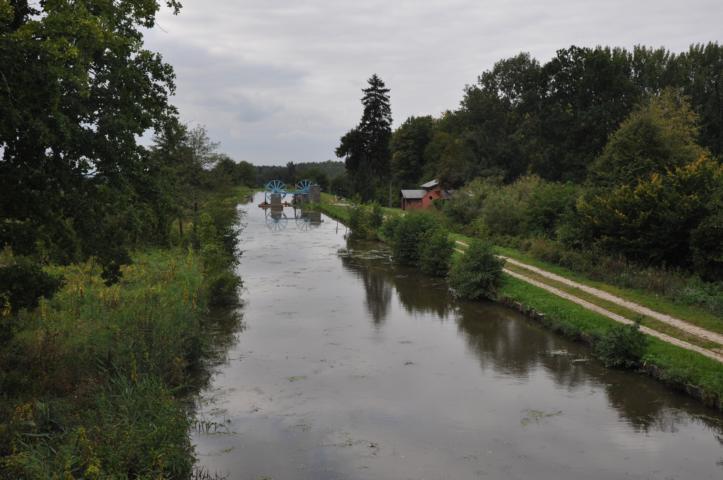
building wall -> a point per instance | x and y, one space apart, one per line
412 204
431 196
425 202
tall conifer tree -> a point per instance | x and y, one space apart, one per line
366 147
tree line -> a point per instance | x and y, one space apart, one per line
326 174
554 119
612 149
78 91
112 253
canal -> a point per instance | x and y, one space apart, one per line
350 368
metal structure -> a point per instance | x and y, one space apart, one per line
275 193
277 187
274 187
303 187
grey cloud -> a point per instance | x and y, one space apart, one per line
280 80
250 111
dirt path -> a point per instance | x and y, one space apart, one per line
675 322
618 318
667 319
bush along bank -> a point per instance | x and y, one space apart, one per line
94 380
616 345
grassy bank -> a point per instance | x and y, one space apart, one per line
682 369
690 313
670 303
337 212
94 380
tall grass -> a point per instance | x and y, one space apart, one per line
92 381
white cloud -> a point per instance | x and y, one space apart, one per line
279 80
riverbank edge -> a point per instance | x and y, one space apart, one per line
129 411
679 369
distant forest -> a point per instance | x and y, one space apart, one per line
320 172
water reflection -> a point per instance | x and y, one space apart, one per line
516 348
353 368
418 294
371 266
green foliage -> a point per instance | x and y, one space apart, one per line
548 206
409 143
22 284
340 186
112 261
659 135
133 429
376 216
228 173
145 326
79 88
389 227
505 210
477 274
673 287
528 206
359 222
365 148
675 365
589 91
555 119
623 346
466 205
706 241
435 254
320 172
652 220
93 378
410 233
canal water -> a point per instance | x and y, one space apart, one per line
349 368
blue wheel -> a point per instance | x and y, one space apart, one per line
276 221
276 186
303 186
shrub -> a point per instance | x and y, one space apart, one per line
22 283
112 261
223 288
359 222
705 294
435 253
544 250
376 216
409 235
477 274
707 246
389 227
622 346
466 204
505 210
650 222
547 205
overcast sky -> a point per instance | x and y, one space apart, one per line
279 80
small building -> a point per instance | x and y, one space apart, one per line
424 196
